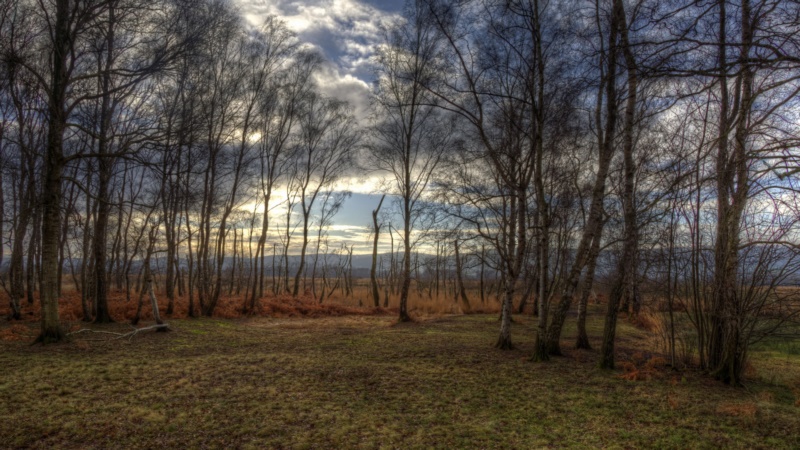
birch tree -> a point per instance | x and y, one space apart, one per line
411 134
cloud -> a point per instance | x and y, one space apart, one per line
349 233
345 31
344 86
361 184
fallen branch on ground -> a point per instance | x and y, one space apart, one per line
129 335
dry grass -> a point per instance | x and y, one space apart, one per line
229 307
283 305
15 332
647 321
366 382
643 367
419 302
339 375
738 409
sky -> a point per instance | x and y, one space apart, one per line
346 32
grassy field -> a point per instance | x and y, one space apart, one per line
366 382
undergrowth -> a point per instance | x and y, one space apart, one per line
231 306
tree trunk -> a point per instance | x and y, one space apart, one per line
349 274
406 284
483 274
275 272
16 267
191 276
303 248
86 292
32 267
607 348
373 276
258 278
626 284
586 290
99 245
594 223
504 340
462 292
154 303
51 330
727 347
105 167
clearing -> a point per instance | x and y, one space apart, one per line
367 382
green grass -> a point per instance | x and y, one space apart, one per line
365 382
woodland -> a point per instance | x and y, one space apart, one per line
612 180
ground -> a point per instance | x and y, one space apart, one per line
368 382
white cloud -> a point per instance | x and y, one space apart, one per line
360 184
344 86
345 31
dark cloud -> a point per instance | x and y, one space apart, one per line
345 31
331 43
391 6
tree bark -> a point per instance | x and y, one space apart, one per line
51 330
303 247
626 283
727 345
586 290
105 167
373 275
406 284
594 224
504 340
462 292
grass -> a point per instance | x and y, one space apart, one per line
368 382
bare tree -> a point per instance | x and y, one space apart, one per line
279 115
626 282
497 84
332 202
410 135
326 144
68 27
22 135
